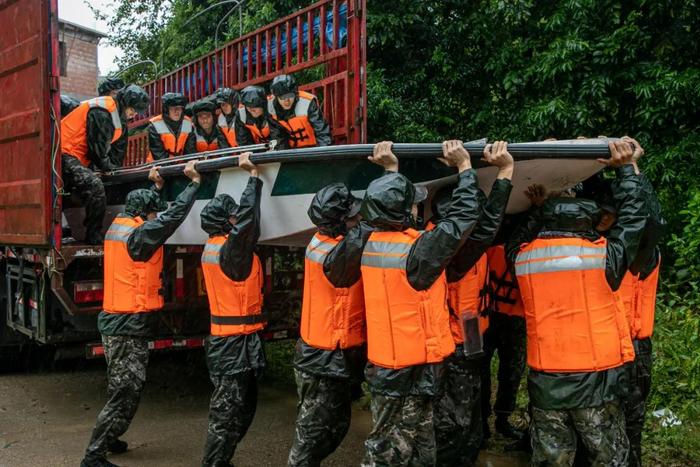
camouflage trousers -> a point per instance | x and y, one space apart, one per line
231 411
83 182
600 429
457 413
635 403
403 432
323 418
127 359
505 335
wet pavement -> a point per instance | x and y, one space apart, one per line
46 418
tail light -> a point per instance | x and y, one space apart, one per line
87 292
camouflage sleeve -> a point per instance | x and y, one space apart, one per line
100 130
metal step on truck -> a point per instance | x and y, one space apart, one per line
51 293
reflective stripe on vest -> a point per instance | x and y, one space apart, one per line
235 306
575 323
130 286
301 132
331 317
259 136
229 131
405 327
172 145
74 127
505 296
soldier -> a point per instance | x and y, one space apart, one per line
168 132
408 328
298 118
457 412
578 338
87 137
252 126
330 354
234 280
227 100
133 263
207 136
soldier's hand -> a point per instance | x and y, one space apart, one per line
191 172
497 154
621 153
454 155
537 194
638 149
245 163
384 156
155 177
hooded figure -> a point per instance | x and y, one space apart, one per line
578 338
95 135
233 275
330 353
227 101
207 136
299 120
252 122
68 104
133 294
458 432
408 330
110 86
168 132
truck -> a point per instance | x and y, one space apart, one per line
51 292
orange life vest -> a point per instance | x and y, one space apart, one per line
639 299
235 307
301 132
405 327
467 296
130 286
202 144
574 321
74 127
646 304
228 131
259 136
174 146
505 297
331 317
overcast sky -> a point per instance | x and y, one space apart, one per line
76 11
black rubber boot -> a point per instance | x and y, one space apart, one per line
118 446
504 427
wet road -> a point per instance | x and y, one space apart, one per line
46 418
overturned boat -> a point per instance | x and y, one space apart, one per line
292 177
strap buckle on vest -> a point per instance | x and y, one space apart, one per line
298 135
238 320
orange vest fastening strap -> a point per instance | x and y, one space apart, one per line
505 296
331 317
74 127
130 286
405 327
235 306
575 323
467 296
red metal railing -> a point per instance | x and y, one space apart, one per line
329 34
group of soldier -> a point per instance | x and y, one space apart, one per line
415 310
94 133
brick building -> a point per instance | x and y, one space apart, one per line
78 59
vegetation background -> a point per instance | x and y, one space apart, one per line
520 70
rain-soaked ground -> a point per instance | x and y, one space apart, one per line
46 416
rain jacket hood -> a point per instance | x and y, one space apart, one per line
141 202
573 215
108 85
388 201
331 207
215 215
133 96
172 99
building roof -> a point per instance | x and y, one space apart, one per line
82 29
